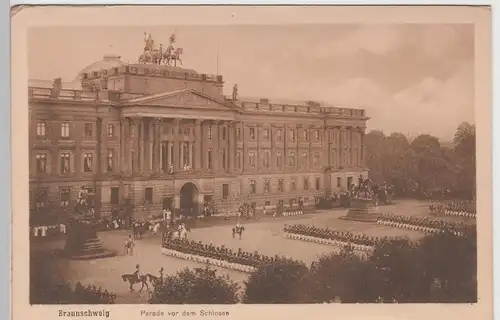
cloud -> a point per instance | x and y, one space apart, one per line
376 39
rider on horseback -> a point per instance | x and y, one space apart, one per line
137 272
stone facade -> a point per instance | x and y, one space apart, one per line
138 134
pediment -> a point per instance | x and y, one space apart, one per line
188 98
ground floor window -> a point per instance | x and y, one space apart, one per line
115 195
225 191
65 196
148 195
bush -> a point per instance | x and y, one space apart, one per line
279 282
195 286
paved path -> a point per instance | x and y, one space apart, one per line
266 237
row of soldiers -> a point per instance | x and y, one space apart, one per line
335 235
254 259
423 222
455 206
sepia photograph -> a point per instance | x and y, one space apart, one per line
306 163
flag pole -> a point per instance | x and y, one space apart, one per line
217 58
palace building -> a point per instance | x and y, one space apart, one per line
151 136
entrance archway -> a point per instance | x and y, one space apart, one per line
189 205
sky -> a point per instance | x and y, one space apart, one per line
410 78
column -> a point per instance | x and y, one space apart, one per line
156 145
362 147
232 146
216 152
324 146
123 144
341 147
130 151
191 164
149 151
142 142
197 148
136 143
311 155
175 157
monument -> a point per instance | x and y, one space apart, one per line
364 205
82 241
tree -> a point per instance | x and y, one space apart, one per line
195 286
278 282
452 262
401 273
342 276
465 157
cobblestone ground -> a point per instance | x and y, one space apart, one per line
266 237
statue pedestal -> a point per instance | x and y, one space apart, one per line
82 243
363 210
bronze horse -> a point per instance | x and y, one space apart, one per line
132 279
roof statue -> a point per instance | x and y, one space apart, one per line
152 55
235 92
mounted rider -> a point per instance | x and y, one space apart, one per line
137 272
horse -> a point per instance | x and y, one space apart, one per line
132 279
171 55
139 228
154 280
238 231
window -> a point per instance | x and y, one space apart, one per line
349 182
88 130
339 182
41 163
41 200
306 183
306 135
252 133
65 164
109 166
238 160
251 159
293 184
281 187
253 186
115 195
64 194
110 130
65 129
305 159
238 133
225 191
148 195
292 134
185 154
87 162
267 203
210 132
266 134
224 133
318 183
266 159
316 134
279 159
291 161
267 186
41 129
316 158
279 134
187 132
209 157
